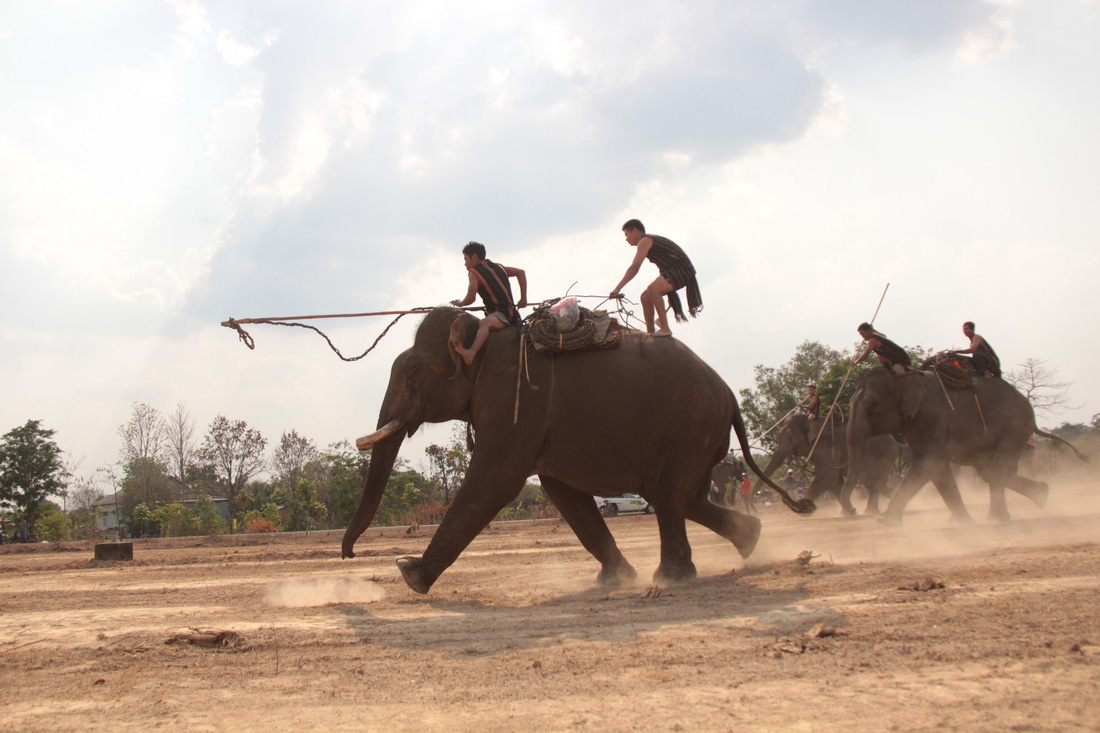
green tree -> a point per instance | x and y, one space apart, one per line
143 457
303 509
449 463
50 522
235 453
207 519
339 486
175 520
30 468
290 459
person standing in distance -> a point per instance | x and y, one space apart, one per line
676 272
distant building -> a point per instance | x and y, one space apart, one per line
109 514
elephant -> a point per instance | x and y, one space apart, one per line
648 417
986 426
727 471
796 440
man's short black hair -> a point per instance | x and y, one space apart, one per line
634 224
865 327
969 324
474 248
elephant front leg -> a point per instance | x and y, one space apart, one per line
477 501
580 512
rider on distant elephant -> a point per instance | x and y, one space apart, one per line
984 358
812 404
889 354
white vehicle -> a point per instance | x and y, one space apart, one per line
612 505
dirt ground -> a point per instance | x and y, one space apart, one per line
990 627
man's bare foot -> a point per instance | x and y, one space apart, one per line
662 333
467 356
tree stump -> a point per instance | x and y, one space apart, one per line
114 551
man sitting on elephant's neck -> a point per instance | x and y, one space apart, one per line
676 272
490 280
889 354
985 360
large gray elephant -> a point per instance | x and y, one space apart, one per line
986 427
648 417
796 438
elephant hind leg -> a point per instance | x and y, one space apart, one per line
1037 491
580 512
676 565
737 527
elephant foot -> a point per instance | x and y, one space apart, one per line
889 520
669 573
963 518
872 509
747 543
412 570
847 511
616 576
1040 494
998 517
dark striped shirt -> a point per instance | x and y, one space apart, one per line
494 289
891 351
677 269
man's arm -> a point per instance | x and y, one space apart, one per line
974 344
521 277
866 352
639 257
471 293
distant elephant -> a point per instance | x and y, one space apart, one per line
728 473
648 417
986 427
796 439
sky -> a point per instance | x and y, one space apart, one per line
167 165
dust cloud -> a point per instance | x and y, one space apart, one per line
323 592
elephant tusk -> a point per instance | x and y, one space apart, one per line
368 441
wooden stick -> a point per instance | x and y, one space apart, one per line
842 384
879 303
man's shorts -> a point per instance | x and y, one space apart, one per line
673 281
499 316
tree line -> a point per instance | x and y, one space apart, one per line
169 480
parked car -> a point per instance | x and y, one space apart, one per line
612 505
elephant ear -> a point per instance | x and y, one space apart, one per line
911 391
463 330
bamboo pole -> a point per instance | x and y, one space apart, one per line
845 382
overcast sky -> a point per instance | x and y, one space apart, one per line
167 165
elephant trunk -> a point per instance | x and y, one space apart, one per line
383 456
774 462
857 443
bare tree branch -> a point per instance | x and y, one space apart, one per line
1040 384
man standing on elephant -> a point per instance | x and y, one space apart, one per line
676 272
490 280
889 354
985 359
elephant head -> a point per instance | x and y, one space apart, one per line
883 402
428 383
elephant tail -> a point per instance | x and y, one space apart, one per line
800 506
1052 436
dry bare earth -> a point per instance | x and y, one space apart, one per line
515 635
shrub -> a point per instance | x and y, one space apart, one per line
259 524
